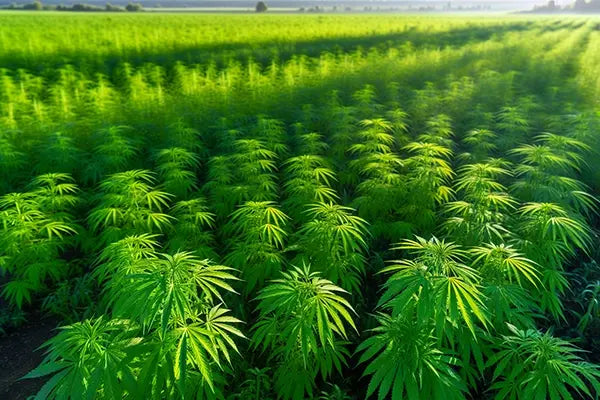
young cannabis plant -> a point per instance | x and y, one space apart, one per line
508 281
259 229
438 130
302 323
426 182
549 235
128 203
365 102
437 284
535 365
310 143
309 179
255 165
513 127
88 357
176 168
192 229
112 153
547 170
482 213
168 336
272 132
35 227
180 135
436 309
379 167
406 361
480 143
333 241
246 175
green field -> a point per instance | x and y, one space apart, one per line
302 206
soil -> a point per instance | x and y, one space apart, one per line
19 354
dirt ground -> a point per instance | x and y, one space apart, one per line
19 355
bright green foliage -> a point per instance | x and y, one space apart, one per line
426 181
512 125
438 130
245 175
438 284
480 143
500 263
333 242
176 168
181 136
168 328
380 190
86 357
548 236
309 180
438 297
481 215
534 365
165 286
35 229
272 132
407 363
267 142
255 164
112 153
302 324
192 229
259 227
508 280
546 173
128 203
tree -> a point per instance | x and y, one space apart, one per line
261 6
133 7
36 5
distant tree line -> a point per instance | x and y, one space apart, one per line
580 6
81 7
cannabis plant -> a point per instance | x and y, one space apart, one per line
176 168
531 364
309 179
333 241
259 229
302 324
482 213
127 203
405 361
192 229
380 188
168 336
36 227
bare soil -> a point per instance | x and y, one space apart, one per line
19 354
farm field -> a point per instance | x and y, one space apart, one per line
300 206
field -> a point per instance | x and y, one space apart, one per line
301 206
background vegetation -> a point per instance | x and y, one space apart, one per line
295 207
